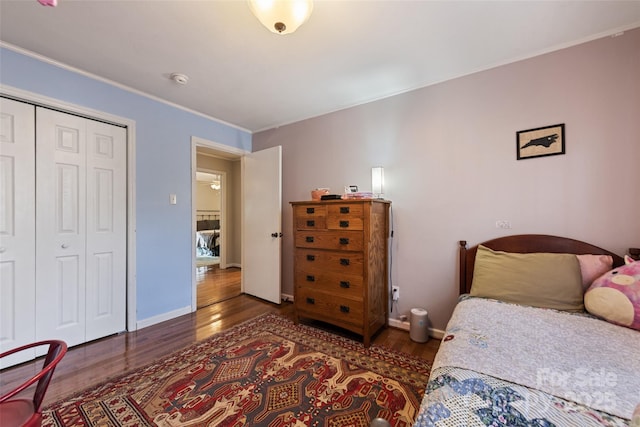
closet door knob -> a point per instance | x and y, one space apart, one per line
64 246
3 250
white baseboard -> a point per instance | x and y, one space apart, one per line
404 325
397 323
436 333
163 317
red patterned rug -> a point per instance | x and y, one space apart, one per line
266 372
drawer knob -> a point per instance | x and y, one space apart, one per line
344 240
311 300
344 224
311 210
311 278
311 223
345 284
344 261
309 239
311 257
344 308
344 209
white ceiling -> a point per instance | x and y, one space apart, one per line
348 53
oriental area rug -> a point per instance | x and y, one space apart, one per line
264 372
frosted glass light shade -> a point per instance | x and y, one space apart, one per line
377 181
281 16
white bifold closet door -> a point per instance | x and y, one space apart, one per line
17 229
80 227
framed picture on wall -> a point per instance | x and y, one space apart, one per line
539 142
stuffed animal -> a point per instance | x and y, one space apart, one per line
615 296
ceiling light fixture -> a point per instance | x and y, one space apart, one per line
215 182
281 16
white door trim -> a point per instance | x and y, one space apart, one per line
234 152
130 125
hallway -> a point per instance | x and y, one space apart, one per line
215 284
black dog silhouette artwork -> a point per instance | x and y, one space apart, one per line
545 141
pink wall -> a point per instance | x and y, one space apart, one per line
449 154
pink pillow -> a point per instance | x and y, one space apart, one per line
615 296
592 267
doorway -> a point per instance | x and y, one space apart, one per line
218 272
214 284
250 217
208 216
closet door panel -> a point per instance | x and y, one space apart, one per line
106 230
17 232
60 226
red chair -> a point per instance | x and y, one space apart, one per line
27 412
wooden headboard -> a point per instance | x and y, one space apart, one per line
526 243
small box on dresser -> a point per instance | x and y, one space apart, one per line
340 263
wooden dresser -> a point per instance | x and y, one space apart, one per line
340 263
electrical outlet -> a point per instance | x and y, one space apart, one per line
395 293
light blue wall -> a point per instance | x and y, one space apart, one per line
163 166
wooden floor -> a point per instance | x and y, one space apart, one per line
95 362
215 284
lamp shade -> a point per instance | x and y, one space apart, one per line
377 181
281 16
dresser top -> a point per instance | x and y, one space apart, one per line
320 202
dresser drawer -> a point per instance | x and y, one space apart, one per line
310 211
321 260
338 284
345 217
330 306
337 240
306 223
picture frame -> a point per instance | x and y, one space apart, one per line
540 142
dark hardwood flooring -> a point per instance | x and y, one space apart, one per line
215 284
92 363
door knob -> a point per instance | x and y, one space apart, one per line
64 246
3 250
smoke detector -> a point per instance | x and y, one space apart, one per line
179 78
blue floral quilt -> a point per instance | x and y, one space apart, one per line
459 397
503 364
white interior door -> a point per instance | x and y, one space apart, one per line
17 233
60 226
261 224
106 271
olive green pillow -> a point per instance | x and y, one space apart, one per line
536 279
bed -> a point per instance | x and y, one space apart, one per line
505 362
207 233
